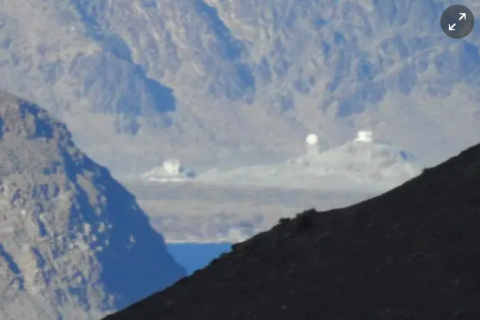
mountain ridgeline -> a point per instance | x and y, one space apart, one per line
73 242
411 253
240 82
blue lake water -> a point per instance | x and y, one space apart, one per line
194 256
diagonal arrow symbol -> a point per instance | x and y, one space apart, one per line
451 27
463 16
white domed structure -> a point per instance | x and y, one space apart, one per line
364 136
172 167
312 139
169 171
312 143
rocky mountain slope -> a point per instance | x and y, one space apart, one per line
411 253
74 244
224 81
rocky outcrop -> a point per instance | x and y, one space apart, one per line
74 244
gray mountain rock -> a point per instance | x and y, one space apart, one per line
240 82
74 244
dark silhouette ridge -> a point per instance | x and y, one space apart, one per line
411 253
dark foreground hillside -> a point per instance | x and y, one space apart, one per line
412 253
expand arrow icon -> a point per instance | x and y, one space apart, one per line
451 27
463 16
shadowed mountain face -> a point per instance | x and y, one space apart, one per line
238 82
73 242
411 253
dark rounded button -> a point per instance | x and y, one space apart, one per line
457 21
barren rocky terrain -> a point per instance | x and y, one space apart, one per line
74 244
241 82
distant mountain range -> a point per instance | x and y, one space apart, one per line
240 82
74 244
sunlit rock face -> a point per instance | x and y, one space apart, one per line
74 244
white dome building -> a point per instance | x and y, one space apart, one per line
311 142
364 136
312 139
170 171
171 167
